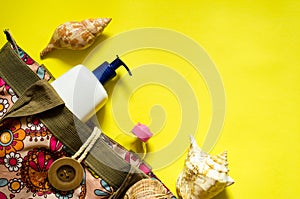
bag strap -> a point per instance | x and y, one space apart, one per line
39 98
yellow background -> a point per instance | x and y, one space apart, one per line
255 46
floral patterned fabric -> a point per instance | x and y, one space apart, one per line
28 148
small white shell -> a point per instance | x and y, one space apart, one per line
203 175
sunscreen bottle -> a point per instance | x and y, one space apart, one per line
83 91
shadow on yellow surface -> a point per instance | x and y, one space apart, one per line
222 195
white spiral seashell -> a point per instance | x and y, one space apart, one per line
203 175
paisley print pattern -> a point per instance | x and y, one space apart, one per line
35 168
105 190
11 137
36 129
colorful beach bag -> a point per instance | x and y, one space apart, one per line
40 140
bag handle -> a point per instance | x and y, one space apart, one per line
61 121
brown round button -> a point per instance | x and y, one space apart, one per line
65 174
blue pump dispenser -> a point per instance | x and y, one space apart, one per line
106 71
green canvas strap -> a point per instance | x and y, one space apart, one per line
37 97
11 66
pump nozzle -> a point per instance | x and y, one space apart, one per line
106 71
118 62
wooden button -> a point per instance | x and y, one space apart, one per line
65 174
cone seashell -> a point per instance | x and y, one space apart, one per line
147 189
76 35
203 176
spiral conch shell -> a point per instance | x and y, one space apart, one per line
76 35
203 176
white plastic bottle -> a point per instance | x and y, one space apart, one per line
83 91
